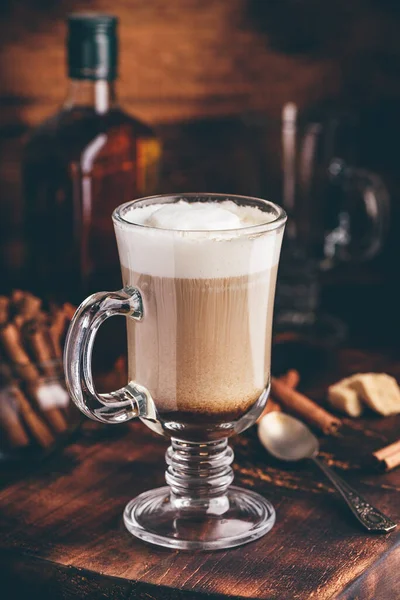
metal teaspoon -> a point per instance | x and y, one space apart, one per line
289 439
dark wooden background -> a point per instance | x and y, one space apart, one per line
189 60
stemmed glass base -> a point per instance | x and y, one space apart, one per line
198 510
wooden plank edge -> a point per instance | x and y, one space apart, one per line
380 581
25 576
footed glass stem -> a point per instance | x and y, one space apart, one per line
198 509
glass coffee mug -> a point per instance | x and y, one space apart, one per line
198 297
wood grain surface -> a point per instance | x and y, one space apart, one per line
62 536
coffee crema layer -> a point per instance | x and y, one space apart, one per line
197 240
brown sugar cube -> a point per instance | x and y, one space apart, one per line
379 391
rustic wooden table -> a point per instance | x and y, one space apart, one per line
62 537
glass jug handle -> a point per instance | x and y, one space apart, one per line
353 181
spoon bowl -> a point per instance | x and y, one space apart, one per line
287 438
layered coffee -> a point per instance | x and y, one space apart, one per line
206 272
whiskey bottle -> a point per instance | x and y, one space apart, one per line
79 165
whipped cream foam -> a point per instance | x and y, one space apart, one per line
197 240
198 216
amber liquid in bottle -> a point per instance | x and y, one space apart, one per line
78 167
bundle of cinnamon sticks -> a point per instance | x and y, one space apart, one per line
284 396
33 399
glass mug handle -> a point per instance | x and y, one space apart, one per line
376 207
123 404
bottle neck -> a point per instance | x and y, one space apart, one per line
98 95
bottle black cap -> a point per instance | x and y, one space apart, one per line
92 46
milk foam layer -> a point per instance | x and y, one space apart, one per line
197 240
198 216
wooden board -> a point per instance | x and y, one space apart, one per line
61 531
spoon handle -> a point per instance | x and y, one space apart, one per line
371 518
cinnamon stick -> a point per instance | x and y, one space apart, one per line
27 308
69 310
10 339
387 458
53 415
271 406
291 379
36 338
58 322
4 306
35 426
12 430
39 430
56 331
294 401
16 296
27 305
